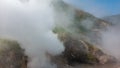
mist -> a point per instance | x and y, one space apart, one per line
111 41
30 22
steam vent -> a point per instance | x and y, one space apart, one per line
78 32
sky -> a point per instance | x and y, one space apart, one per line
99 8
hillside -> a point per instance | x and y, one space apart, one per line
80 33
78 22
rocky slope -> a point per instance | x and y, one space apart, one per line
80 33
11 55
77 22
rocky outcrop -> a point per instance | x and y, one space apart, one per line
80 51
12 55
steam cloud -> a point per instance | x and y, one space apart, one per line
111 41
31 23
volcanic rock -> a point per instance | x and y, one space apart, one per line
12 55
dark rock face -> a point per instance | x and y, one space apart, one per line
12 55
75 51
80 51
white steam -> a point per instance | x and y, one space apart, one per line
111 41
31 23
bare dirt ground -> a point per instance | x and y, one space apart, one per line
117 65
